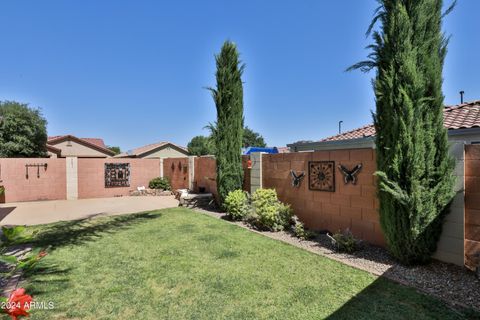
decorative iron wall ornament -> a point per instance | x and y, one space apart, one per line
321 175
350 175
296 179
117 175
35 165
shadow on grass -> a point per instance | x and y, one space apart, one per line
384 299
80 231
73 233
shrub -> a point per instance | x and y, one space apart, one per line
236 204
2 190
159 183
268 212
299 231
344 241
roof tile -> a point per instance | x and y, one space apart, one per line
462 116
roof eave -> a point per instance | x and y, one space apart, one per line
359 143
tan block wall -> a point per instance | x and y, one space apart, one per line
472 202
91 176
176 170
350 206
206 174
50 186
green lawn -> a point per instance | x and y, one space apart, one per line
181 264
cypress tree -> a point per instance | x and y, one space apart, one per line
228 97
415 170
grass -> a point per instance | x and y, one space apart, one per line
180 264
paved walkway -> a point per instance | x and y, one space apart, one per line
39 212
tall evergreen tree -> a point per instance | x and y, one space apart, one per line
228 97
415 171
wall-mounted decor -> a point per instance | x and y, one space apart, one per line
117 175
321 175
297 178
35 165
350 175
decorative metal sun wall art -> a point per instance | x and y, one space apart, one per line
321 175
117 175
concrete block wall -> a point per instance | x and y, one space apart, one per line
472 205
351 206
50 185
91 176
450 247
177 172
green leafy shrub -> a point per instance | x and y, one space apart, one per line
345 241
2 190
236 204
159 183
16 235
268 212
298 229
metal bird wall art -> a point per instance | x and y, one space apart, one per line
350 175
296 179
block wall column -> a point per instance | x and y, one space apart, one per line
191 172
161 167
72 177
256 171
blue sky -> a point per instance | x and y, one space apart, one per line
134 72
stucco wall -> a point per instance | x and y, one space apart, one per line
51 185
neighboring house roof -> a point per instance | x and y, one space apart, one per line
462 116
52 149
94 143
138 152
283 149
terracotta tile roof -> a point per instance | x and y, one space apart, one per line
95 141
462 116
144 149
92 142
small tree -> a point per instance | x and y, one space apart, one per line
200 146
23 131
415 170
114 149
228 97
252 139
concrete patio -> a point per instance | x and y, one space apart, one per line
40 212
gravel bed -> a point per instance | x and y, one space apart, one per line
453 284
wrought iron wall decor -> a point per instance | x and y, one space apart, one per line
296 179
350 175
321 175
35 165
117 175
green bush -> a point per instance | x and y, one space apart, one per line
236 204
268 212
345 242
2 190
159 183
299 231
